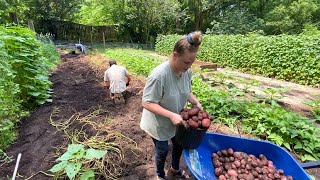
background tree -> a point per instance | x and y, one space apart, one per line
96 12
273 17
3 7
45 13
141 20
12 11
290 17
235 19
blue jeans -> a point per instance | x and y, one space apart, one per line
161 152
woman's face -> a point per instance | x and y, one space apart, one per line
183 62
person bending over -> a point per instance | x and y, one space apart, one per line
116 80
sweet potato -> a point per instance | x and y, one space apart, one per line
184 115
200 124
237 163
261 156
194 111
195 118
205 115
217 164
230 151
206 123
224 153
280 171
289 177
193 124
215 155
232 172
218 171
271 176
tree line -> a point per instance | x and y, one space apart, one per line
142 20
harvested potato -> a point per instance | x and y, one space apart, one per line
230 164
198 116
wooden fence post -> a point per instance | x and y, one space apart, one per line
30 24
91 37
104 40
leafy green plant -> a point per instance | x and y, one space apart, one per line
4 158
218 78
263 120
315 106
29 65
137 61
288 57
271 95
24 81
71 162
247 84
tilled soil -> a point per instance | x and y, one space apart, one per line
77 87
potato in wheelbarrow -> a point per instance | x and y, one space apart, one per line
230 164
199 160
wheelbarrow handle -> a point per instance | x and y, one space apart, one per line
311 164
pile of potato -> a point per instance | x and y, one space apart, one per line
239 165
196 118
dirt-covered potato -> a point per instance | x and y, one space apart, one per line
230 164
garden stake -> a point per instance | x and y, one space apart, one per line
16 167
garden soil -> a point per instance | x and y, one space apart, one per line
78 87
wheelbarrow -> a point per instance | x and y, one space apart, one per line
199 160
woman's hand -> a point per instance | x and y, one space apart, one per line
176 119
198 105
194 101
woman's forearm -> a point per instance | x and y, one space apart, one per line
157 109
192 99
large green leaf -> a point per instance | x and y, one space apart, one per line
72 169
73 148
88 175
308 157
66 156
92 153
71 152
59 167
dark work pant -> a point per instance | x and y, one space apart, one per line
161 152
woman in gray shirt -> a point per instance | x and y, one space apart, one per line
167 91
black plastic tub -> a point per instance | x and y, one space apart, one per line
189 138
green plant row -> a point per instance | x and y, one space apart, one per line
136 61
266 121
293 58
269 122
24 83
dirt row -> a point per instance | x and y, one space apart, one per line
77 88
